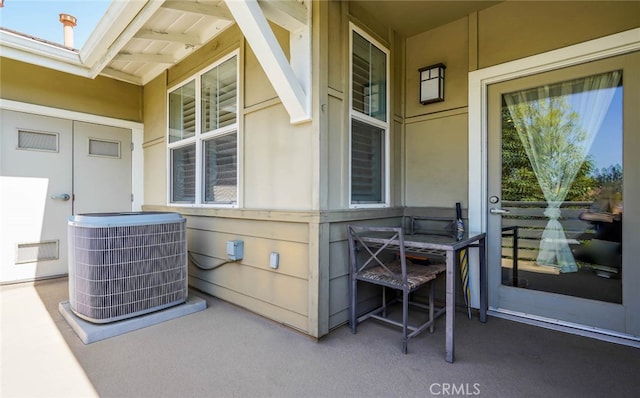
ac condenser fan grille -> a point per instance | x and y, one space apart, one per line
126 264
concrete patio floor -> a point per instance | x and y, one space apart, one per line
225 351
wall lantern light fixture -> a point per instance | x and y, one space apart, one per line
432 83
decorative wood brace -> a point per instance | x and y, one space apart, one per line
292 81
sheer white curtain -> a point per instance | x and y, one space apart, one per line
557 125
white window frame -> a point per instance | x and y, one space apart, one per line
200 137
385 125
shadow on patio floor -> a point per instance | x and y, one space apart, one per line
225 351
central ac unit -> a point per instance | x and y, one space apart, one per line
123 265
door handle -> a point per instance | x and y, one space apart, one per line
498 211
62 196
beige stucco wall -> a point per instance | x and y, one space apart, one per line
436 134
102 96
277 164
447 44
515 29
436 160
155 142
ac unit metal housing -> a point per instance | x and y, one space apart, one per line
122 265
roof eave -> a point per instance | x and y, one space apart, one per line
25 49
115 21
121 22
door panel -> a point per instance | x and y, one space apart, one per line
35 173
562 250
44 163
102 168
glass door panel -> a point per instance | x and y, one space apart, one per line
562 181
563 192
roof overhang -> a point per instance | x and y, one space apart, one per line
137 40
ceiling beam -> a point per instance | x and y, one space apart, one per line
119 75
289 86
290 15
170 37
132 28
139 57
209 8
118 17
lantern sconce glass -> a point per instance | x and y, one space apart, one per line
432 83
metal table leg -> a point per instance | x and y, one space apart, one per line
450 305
484 285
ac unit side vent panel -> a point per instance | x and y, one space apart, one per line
123 265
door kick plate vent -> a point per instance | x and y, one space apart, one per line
39 251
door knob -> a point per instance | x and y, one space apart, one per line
498 211
62 196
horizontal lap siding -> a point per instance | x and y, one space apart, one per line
282 294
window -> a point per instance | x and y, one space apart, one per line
369 127
203 137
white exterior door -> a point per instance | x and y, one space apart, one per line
101 168
44 163
35 176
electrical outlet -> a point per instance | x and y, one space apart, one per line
274 260
235 250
